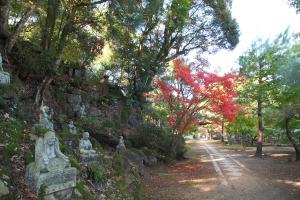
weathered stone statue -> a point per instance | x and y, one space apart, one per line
82 112
121 145
4 76
72 128
87 154
51 169
46 118
1 68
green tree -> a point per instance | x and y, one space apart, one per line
288 97
296 4
259 66
146 35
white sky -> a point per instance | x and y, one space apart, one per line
256 19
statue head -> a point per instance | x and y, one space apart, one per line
86 135
50 138
71 122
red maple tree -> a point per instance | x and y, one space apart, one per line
191 93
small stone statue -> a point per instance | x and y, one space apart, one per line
46 118
1 68
85 145
87 154
4 76
121 145
82 112
72 128
51 168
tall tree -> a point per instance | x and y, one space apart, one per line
64 23
146 35
258 66
288 97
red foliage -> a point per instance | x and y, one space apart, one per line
195 92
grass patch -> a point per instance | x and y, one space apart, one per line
86 195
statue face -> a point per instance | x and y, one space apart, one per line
46 108
86 135
51 141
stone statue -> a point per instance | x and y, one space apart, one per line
72 128
85 145
1 68
82 112
4 76
46 118
51 168
121 145
46 149
87 154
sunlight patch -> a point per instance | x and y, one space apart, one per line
200 180
292 183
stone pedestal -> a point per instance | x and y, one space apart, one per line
88 159
58 182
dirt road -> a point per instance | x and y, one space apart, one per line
216 172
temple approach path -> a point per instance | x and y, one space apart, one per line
216 172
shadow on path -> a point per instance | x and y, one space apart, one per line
215 172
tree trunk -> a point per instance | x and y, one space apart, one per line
291 139
13 37
48 29
258 152
4 32
222 137
40 96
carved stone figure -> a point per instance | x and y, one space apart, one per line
121 145
87 154
72 128
46 118
1 68
4 76
51 169
82 112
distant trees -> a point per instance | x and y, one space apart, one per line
189 94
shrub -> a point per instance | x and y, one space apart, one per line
156 138
97 173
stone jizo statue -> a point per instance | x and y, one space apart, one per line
72 128
85 145
87 154
121 144
1 61
82 112
46 118
4 76
51 168
46 149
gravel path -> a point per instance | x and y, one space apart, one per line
214 172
